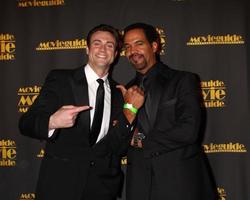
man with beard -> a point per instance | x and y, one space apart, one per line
165 159
84 144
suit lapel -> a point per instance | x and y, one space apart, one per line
148 113
115 103
153 99
80 90
156 90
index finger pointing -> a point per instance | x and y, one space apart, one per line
78 109
122 88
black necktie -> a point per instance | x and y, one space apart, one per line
97 121
143 123
141 83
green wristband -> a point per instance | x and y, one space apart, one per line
130 107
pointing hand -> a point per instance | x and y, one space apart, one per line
65 117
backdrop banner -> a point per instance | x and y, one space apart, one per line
208 37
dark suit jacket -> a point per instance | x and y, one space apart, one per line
171 161
69 159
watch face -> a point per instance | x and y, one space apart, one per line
141 136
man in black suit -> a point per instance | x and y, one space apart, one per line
83 148
165 159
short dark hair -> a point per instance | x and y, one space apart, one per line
105 28
150 32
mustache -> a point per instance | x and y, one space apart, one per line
134 54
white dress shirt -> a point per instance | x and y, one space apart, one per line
91 77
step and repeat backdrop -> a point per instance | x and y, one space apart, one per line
208 37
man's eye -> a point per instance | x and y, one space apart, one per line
96 43
139 43
111 46
125 48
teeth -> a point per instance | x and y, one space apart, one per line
136 56
101 56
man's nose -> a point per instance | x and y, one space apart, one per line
131 50
103 48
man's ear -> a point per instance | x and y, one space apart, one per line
87 50
155 47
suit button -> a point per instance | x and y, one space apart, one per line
155 154
92 163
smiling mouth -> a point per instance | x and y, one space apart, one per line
101 56
135 57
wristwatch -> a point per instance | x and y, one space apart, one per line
139 136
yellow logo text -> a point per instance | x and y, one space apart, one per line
222 193
39 3
214 93
7 153
60 45
225 148
163 40
27 96
215 40
7 47
27 196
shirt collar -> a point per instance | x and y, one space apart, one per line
91 76
150 72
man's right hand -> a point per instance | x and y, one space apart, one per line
65 117
134 95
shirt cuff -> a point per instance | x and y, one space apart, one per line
51 132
